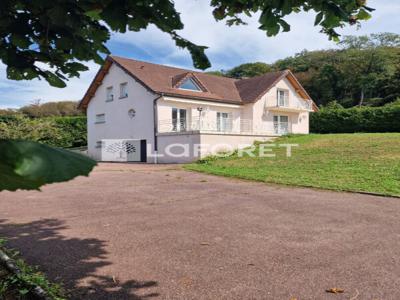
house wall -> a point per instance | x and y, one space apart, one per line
118 124
263 119
170 140
198 145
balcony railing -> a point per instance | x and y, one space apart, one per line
223 126
197 124
306 105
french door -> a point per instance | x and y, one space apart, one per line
281 124
178 119
223 122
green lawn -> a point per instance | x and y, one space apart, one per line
363 162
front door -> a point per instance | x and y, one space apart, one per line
281 124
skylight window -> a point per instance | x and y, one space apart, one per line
190 84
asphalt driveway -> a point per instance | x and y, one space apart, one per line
159 232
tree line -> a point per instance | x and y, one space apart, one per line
364 71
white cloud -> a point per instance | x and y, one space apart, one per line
228 46
18 93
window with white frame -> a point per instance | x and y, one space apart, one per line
224 122
281 124
100 118
282 97
123 90
109 94
179 119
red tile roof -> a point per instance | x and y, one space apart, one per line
164 80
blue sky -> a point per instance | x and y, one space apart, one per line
228 47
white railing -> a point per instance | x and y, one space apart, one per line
303 105
226 125
203 124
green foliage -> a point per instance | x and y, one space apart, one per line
244 70
73 130
249 70
64 132
365 119
29 165
63 34
333 105
21 285
375 40
367 68
216 73
330 15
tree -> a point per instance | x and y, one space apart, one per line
62 34
391 86
216 73
359 73
249 70
375 40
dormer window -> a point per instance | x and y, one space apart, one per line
190 84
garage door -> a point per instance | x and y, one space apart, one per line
121 150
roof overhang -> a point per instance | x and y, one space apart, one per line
98 79
299 89
296 85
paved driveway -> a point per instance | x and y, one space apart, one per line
142 231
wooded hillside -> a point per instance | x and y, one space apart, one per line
365 71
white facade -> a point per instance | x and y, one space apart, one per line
133 115
118 123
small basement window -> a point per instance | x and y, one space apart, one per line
100 118
190 84
109 94
99 144
123 90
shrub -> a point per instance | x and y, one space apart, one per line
73 130
65 132
364 119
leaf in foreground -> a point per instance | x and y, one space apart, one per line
29 165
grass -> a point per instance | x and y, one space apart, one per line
361 162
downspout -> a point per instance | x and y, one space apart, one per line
155 117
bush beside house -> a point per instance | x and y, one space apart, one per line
336 119
64 132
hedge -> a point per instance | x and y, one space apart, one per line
365 119
65 132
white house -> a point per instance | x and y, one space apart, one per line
160 107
